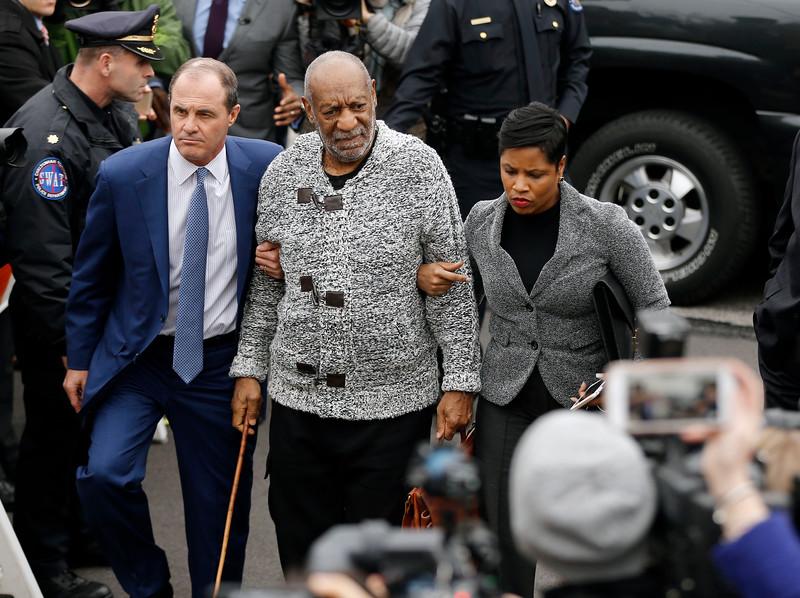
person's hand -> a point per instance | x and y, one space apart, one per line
74 384
366 14
161 108
728 453
729 450
246 403
595 402
436 279
290 106
268 259
453 413
340 585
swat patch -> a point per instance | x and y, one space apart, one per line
49 179
576 5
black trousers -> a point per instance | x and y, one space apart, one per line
780 372
325 472
498 430
47 515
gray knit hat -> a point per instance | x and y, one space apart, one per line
582 498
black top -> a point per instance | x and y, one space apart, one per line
530 241
338 181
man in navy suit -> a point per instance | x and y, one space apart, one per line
152 321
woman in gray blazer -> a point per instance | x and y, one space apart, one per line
537 251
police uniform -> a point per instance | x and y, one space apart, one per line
45 200
476 60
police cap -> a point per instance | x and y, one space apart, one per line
133 30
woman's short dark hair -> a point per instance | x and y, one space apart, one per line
535 125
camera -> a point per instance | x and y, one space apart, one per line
12 146
458 558
655 400
338 9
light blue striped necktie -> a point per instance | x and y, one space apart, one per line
187 357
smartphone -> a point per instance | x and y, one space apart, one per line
665 396
590 394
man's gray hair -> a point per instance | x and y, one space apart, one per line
332 56
208 65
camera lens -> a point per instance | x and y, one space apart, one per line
338 9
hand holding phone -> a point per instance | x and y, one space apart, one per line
590 394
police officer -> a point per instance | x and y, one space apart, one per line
71 125
476 60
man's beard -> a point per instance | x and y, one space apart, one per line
353 154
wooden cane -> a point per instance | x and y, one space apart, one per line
229 518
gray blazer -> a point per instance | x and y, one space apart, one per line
264 43
555 326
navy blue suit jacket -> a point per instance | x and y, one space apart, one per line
119 296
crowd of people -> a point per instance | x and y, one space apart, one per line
172 259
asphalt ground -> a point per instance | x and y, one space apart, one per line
721 328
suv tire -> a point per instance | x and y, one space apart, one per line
686 185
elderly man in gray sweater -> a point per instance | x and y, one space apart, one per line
346 339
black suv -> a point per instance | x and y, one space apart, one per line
692 109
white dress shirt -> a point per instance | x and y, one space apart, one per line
219 315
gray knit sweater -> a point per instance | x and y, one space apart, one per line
371 353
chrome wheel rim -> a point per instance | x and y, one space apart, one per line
666 201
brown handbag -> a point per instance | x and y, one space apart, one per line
417 513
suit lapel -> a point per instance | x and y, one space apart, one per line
152 193
244 188
250 12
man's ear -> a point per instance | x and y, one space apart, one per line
234 114
308 110
105 59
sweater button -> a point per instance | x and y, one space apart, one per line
534 345
529 307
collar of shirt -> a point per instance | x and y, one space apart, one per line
103 116
182 169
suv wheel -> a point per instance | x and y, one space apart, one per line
687 187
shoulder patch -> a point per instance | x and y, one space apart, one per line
49 179
576 5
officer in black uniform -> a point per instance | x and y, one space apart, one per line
71 125
474 61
